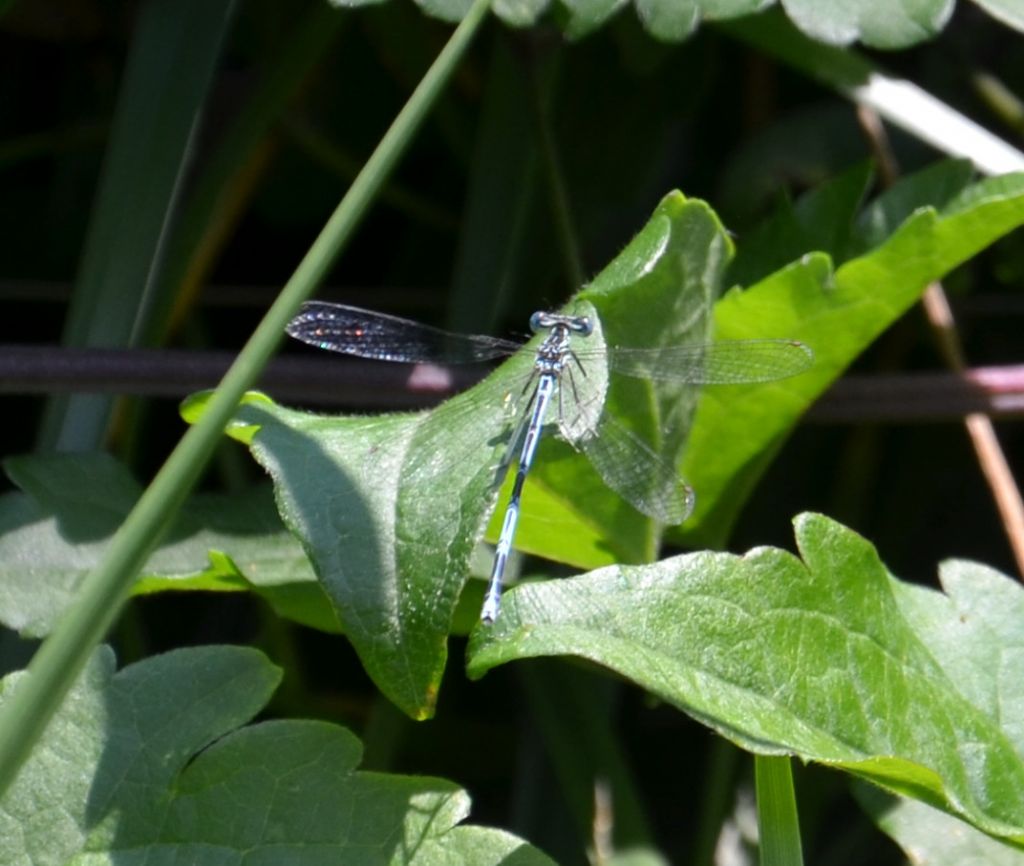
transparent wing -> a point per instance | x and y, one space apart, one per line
730 362
640 475
365 334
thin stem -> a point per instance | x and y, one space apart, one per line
987 449
58 662
895 398
983 436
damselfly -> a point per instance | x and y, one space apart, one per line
626 463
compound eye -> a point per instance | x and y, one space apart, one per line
537 321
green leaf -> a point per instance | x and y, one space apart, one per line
389 509
232 542
829 658
520 13
54 532
982 647
582 17
1010 12
149 765
674 20
893 24
838 314
932 838
671 22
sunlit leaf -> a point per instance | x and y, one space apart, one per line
827 657
838 313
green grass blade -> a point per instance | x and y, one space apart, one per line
489 269
777 821
174 52
541 85
54 668
216 202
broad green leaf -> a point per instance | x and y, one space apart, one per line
520 13
388 509
838 314
827 657
976 632
886 24
932 838
150 765
674 20
54 532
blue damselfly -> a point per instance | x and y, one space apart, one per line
626 463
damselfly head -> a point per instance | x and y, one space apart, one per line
542 321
